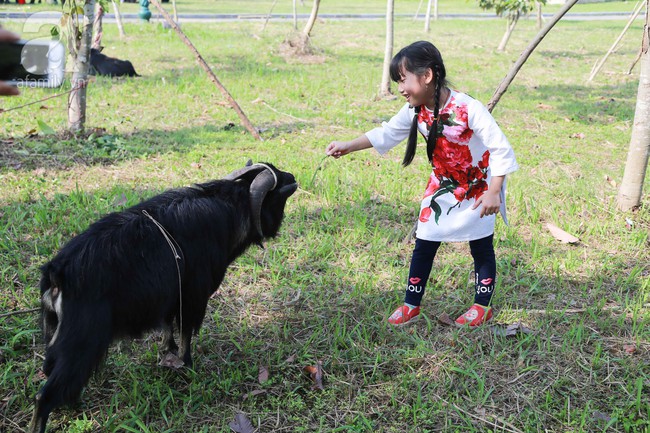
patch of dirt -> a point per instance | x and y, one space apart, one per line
297 48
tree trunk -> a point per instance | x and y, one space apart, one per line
174 11
427 17
312 19
384 88
526 53
512 22
98 31
118 19
540 18
629 195
77 100
435 10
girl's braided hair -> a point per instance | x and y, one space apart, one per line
418 58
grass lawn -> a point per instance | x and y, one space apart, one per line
323 289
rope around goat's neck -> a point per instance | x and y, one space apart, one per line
172 246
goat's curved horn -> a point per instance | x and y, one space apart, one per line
243 171
263 183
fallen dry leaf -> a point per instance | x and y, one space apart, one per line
254 393
511 330
543 106
196 165
39 376
578 135
315 373
291 359
263 374
516 328
171 360
629 348
611 181
601 416
258 101
445 319
241 424
561 235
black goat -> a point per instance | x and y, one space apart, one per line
139 269
101 64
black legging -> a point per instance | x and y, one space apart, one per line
485 269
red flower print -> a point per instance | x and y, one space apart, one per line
460 192
451 160
475 173
453 169
432 185
485 162
461 112
425 214
425 116
477 190
465 136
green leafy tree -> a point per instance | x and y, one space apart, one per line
512 10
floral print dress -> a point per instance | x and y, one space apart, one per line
470 149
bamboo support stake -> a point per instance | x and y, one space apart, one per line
526 53
118 19
417 12
247 124
602 61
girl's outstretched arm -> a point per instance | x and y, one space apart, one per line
340 148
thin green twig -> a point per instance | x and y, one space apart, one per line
320 164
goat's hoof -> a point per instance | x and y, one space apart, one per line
171 360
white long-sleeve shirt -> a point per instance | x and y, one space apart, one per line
471 149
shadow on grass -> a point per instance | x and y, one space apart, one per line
100 147
585 104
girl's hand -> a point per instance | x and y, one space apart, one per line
337 149
491 201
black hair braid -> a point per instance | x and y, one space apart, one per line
433 132
412 142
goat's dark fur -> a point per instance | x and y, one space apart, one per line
101 64
119 278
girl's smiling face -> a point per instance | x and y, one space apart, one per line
417 89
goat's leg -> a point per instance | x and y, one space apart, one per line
71 358
69 374
169 344
185 351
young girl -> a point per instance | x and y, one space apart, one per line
470 157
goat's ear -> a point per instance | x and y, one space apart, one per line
287 190
249 163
